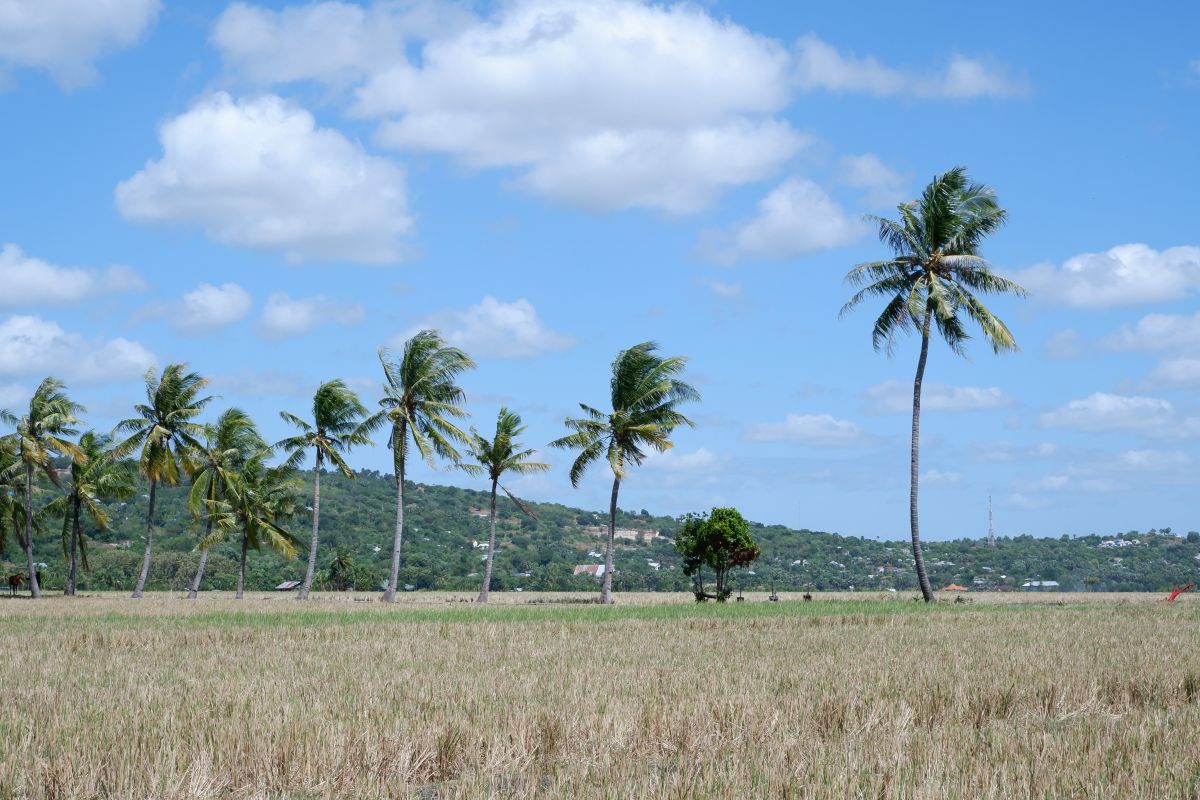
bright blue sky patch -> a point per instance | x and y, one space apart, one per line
272 191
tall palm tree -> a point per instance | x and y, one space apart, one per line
226 446
166 435
494 457
96 475
421 401
933 279
44 432
12 489
645 392
339 421
256 501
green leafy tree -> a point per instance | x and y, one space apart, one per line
645 392
339 421
216 463
933 280
165 435
495 457
256 501
422 401
96 476
44 432
720 541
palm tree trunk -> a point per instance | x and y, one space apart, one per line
69 589
34 589
312 545
491 559
606 591
914 475
195 588
389 596
242 567
141 582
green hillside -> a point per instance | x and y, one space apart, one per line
443 522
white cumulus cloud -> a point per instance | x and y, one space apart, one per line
30 281
819 65
494 328
1102 412
602 105
208 307
1128 274
814 430
333 42
66 37
882 184
285 317
31 345
260 174
895 397
700 461
796 218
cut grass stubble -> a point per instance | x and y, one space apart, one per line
834 698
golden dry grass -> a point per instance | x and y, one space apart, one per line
1027 696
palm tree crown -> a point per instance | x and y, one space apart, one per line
421 398
165 432
645 393
936 270
502 453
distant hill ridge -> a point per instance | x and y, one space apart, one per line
445 526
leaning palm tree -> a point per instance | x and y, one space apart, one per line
421 401
645 392
165 435
933 279
43 433
226 446
339 421
96 475
256 501
494 457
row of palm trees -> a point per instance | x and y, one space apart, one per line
932 282
236 487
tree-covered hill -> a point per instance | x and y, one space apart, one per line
446 528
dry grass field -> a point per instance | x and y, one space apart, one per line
848 696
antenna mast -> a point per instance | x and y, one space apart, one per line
991 531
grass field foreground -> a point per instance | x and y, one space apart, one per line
1041 697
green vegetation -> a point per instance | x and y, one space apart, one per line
720 541
541 554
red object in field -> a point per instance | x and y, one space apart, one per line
1179 591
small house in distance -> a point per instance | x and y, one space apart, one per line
622 533
954 587
595 570
287 586
1040 586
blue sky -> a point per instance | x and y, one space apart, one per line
271 191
